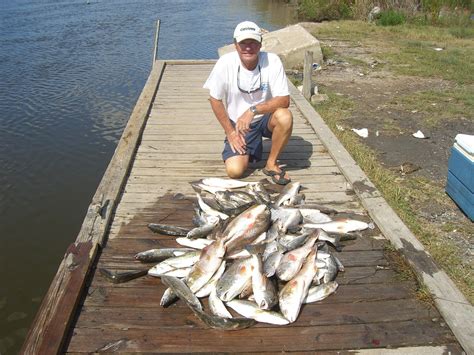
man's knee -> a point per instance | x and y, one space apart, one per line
234 172
235 168
283 119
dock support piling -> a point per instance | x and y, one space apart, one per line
155 49
307 71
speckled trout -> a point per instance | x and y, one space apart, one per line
250 310
246 227
289 191
292 261
234 279
184 293
341 225
209 262
294 292
264 290
318 293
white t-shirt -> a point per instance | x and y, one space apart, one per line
228 75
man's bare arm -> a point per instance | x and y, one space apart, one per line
270 106
273 104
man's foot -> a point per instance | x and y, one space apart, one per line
278 175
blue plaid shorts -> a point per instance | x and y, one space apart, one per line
253 139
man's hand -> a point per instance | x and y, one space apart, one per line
237 142
243 122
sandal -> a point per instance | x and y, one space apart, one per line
281 180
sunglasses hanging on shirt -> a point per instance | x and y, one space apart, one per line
251 90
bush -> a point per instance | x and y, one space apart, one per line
362 8
433 8
391 18
324 10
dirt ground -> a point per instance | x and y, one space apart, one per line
391 126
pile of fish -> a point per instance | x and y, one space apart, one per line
260 256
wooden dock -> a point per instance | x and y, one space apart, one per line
173 138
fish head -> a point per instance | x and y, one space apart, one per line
227 294
221 290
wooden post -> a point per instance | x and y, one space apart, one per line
157 35
307 71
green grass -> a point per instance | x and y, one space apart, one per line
462 32
391 18
328 52
404 272
440 106
319 10
420 58
410 49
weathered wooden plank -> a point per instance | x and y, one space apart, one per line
215 153
313 338
173 127
319 186
216 138
321 197
314 315
202 161
191 150
176 129
188 176
186 173
312 186
48 333
145 297
317 159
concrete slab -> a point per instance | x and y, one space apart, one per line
290 43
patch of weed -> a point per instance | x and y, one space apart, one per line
391 18
319 10
462 32
327 51
440 106
410 49
404 272
347 30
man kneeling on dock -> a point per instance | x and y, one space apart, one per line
250 98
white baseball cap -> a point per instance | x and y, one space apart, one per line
247 30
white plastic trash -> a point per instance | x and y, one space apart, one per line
419 134
363 132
